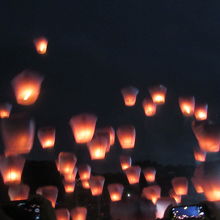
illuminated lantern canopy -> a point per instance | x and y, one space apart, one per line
152 193
211 189
197 183
71 177
126 136
49 192
129 94
201 112
11 169
158 94
162 204
62 214
79 213
46 137
180 185
176 197
187 105
84 172
5 110
85 184
133 174
27 87
150 107
110 130
96 185
199 155
69 187
115 191
18 192
149 174
125 162
83 127
41 45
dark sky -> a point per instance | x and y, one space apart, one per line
97 47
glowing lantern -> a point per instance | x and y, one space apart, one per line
46 137
62 214
96 185
211 190
69 186
27 87
49 192
11 169
83 127
5 110
201 112
180 185
150 107
85 184
41 45
79 213
152 193
18 192
125 162
115 191
111 133
197 183
126 136
158 94
162 204
199 155
71 177
133 174
129 94
187 105
149 174
176 197
84 172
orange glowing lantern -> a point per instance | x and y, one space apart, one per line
201 112
69 186
180 185
133 174
110 131
49 192
18 192
115 192
62 214
11 169
152 193
27 87
211 189
125 162
150 107
197 183
162 204
149 174
85 184
126 136
84 172
199 155
79 213
41 45
129 94
187 105
96 185
46 137
83 127
71 177
158 94
176 197
5 110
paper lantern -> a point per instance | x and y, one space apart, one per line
5 110
62 214
96 185
199 155
129 95
27 87
126 136
211 189
83 127
152 193
176 197
18 192
84 172
187 105
158 94
11 169
79 213
115 191
180 185
149 174
133 174
49 192
197 183
85 184
125 162
71 177
162 204
69 186
150 107
46 137
201 112
41 45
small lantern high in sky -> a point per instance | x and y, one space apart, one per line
150 107
149 174
158 94
115 191
152 193
96 185
180 185
41 45
5 110
199 155
18 192
62 214
125 162
187 105
201 112
129 94
133 174
46 137
79 213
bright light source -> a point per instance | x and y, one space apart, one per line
129 195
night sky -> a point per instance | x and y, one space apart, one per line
96 48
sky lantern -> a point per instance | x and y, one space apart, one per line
79 213
46 137
133 174
201 112
152 193
71 177
11 169
129 95
83 127
125 162
96 185
180 185
149 174
18 192
211 189
162 204
85 184
84 172
27 87
176 197
158 94
187 105
49 192
41 45
197 183
69 186
150 107
115 191
5 110
199 155
126 136
62 214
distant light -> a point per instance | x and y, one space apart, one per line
185 207
129 195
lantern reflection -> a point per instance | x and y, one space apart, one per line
41 45
125 162
96 185
150 107
180 185
201 112
46 137
5 110
62 214
18 192
133 174
158 94
79 213
152 193
187 105
149 174
129 94
115 191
